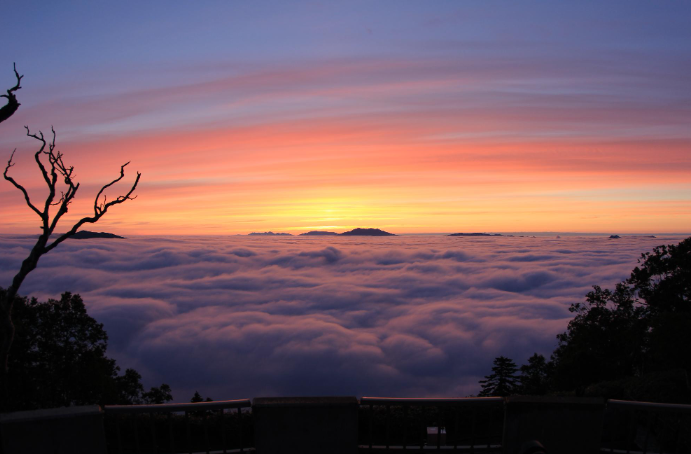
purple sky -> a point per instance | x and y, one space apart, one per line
410 116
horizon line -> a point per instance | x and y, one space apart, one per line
289 232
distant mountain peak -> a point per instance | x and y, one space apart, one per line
87 235
367 232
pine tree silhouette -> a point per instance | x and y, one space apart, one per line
503 381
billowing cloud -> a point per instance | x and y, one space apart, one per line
403 316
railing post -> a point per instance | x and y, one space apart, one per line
223 432
187 430
456 433
422 440
136 434
206 431
405 429
371 411
240 428
629 433
154 441
388 417
117 430
489 428
472 429
170 431
439 426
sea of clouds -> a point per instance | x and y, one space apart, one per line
240 316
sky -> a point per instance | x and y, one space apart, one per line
408 316
444 116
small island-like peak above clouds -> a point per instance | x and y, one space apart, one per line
87 235
354 232
366 232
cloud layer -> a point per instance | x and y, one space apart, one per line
239 317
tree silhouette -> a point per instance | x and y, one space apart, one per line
198 398
54 172
633 342
12 105
635 335
158 395
503 380
59 359
535 376
606 340
130 388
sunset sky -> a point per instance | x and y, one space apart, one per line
443 116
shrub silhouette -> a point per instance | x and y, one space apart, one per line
633 342
59 359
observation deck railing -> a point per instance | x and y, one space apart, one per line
458 424
646 427
173 428
374 424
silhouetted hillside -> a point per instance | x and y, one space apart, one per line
87 235
367 232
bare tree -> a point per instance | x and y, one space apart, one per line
54 173
12 105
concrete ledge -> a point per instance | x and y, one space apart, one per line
335 401
555 401
50 413
69 430
305 425
565 425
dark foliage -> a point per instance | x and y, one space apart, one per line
535 376
503 381
605 340
633 342
59 359
158 395
198 398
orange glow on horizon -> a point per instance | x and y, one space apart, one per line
423 172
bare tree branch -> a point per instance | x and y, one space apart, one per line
19 186
40 151
99 210
12 105
51 171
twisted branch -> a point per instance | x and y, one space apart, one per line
19 186
51 171
12 105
